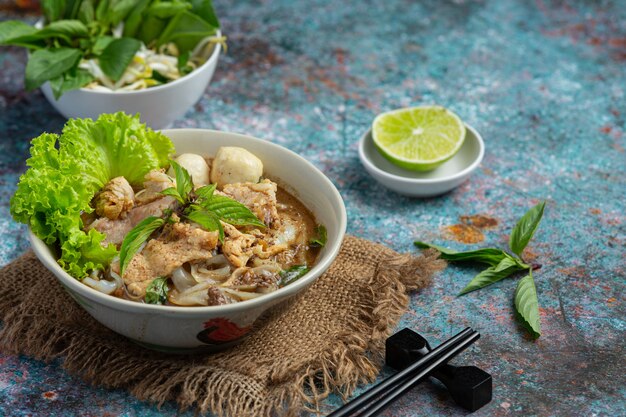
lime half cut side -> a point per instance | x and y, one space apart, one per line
418 138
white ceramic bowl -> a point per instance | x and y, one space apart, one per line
424 184
181 329
158 106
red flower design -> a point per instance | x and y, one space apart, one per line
221 330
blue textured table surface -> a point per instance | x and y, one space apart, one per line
544 82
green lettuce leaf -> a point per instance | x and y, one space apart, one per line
66 171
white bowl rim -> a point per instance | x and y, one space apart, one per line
118 303
208 62
407 180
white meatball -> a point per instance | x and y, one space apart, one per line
196 166
232 165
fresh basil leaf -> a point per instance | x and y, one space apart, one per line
101 12
230 211
116 57
491 275
150 29
320 238
490 256
48 64
525 228
185 30
205 192
119 10
184 185
101 43
527 305
69 81
167 10
173 192
182 63
156 293
204 9
135 238
14 29
86 12
208 221
71 9
53 10
292 274
66 29
160 78
134 18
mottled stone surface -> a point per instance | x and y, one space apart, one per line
543 81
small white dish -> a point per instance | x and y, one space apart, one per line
158 106
429 183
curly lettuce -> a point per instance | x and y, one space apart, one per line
66 171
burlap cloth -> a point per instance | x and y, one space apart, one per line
328 339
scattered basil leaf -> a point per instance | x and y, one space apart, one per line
525 228
156 293
208 221
527 305
184 185
69 81
47 64
230 211
493 274
488 256
320 238
115 58
135 238
292 274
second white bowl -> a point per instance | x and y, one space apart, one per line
158 106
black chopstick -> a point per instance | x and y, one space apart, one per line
397 379
391 395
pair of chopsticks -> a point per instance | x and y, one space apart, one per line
374 400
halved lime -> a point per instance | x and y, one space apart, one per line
418 138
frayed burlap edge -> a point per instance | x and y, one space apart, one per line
354 357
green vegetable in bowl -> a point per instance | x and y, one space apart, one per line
65 171
118 44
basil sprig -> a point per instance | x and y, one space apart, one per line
201 206
502 265
156 293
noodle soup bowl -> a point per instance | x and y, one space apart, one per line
186 329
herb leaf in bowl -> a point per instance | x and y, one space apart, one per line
85 35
